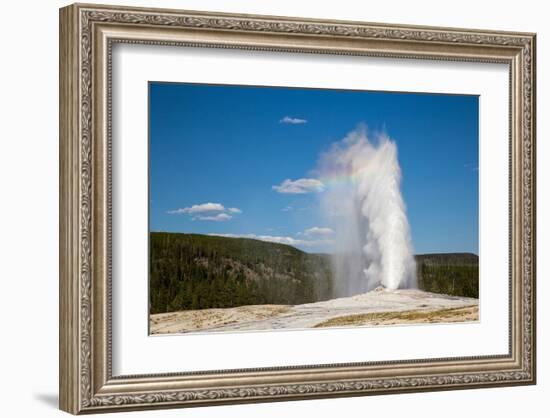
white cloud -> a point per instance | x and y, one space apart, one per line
280 239
318 232
202 208
208 212
300 186
292 121
220 217
287 209
177 211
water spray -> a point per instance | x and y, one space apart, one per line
364 204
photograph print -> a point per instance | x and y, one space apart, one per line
276 208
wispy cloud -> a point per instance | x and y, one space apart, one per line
220 217
300 186
318 232
207 212
292 121
280 239
287 208
202 208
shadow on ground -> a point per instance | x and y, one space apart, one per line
50 399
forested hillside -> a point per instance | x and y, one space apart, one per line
192 271
453 274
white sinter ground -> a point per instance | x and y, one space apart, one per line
419 307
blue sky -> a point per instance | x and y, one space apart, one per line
220 155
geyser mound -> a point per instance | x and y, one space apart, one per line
363 203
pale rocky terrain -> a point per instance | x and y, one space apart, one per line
377 307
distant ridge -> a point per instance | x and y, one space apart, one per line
448 258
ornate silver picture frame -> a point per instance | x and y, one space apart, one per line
87 36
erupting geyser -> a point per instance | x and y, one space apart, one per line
363 202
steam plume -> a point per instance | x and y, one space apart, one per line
363 202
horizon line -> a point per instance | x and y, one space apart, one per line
297 248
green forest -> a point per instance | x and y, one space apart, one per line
193 271
452 274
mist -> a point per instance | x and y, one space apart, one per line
364 205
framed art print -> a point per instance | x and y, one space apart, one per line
260 208
310 230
